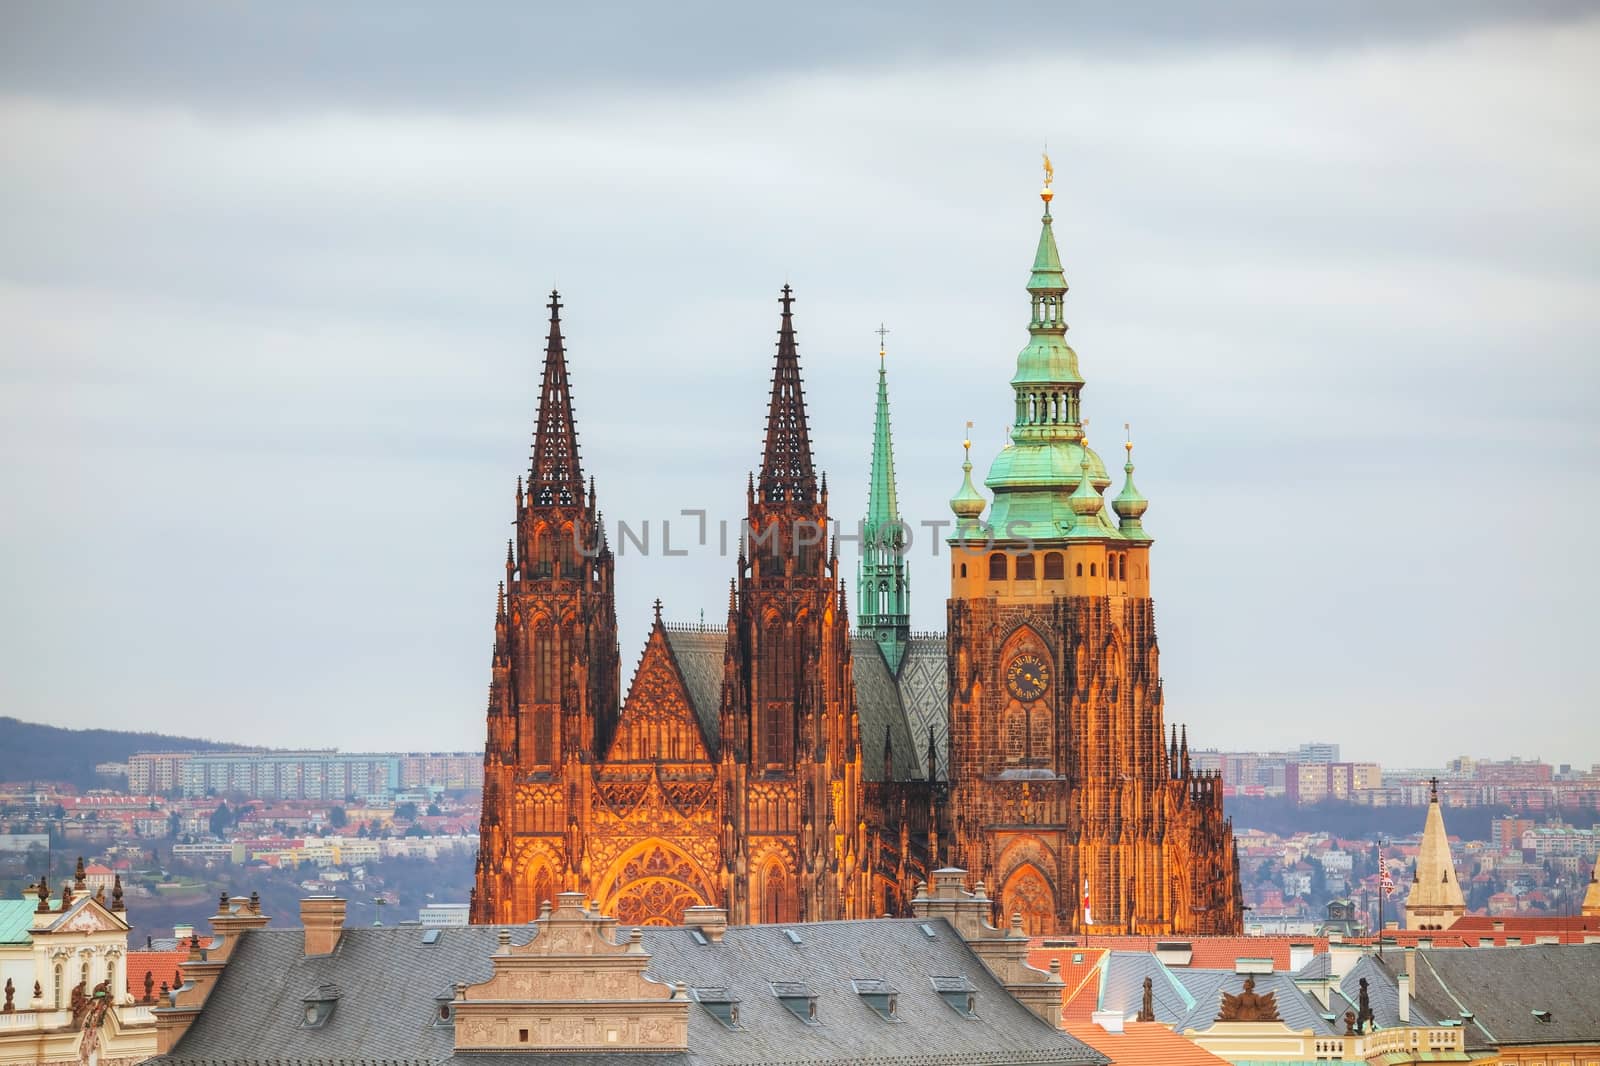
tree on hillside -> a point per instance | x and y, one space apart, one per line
337 818
406 812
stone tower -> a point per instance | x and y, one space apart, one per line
554 675
1064 796
790 739
1435 900
883 590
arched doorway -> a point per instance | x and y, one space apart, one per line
1028 892
652 884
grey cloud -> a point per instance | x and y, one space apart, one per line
396 54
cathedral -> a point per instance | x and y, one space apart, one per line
792 766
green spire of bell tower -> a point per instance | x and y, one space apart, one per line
883 591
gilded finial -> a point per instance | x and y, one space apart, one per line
966 443
1127 439
882 331
1046 194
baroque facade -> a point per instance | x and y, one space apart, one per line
790 769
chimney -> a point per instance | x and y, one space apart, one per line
323 917
1109 1020
1402 984
711 921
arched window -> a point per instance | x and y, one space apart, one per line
772 894
777 691
544 664
1054 569
997 566
1016 733
111 979
963 569
1122 568
1039 745
544 551
60 991
544 737
86 985
1080 569
1025 568
1092 570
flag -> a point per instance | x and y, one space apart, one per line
1088 919
1385 881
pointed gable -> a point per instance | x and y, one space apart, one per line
658 720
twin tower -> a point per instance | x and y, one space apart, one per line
791 767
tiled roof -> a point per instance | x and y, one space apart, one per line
389 980
1080 980
1144 1044
163 966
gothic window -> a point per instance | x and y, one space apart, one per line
543 737
1053 568
777 691
772 894
997 566
544 551
544 664
1025 568
1039 753
1016 733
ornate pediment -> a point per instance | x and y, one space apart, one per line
572 986
85 917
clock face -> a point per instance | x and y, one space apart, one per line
1027 678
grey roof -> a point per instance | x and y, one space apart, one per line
699 653
1122 987
908 704
1502 987
878 705
1381 993
389 980
1298 1009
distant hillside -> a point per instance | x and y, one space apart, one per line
33 752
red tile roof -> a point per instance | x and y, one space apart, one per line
1081 980
161 965
1144 1044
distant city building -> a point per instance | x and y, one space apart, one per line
1318 752
111 769
23 841
442 915
315 775
441 770
1315 782
157 773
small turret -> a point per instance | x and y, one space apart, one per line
968 503
1088 506
1129 504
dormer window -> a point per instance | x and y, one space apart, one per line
318 1006
958 993
719 1003
798 998
881 996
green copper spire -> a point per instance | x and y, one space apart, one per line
1033 479
883 590
1129 504
1088 507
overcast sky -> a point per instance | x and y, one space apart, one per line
272 286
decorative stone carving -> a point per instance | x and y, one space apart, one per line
1248 1006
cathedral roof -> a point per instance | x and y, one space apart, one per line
390 980
906 703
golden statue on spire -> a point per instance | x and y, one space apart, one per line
1046 194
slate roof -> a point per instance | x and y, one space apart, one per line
907 704
878 705
1502 987
389 980
698 653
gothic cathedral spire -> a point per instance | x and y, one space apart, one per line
882 590
786 472
556 476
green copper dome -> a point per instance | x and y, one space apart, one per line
968 503
1130 505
